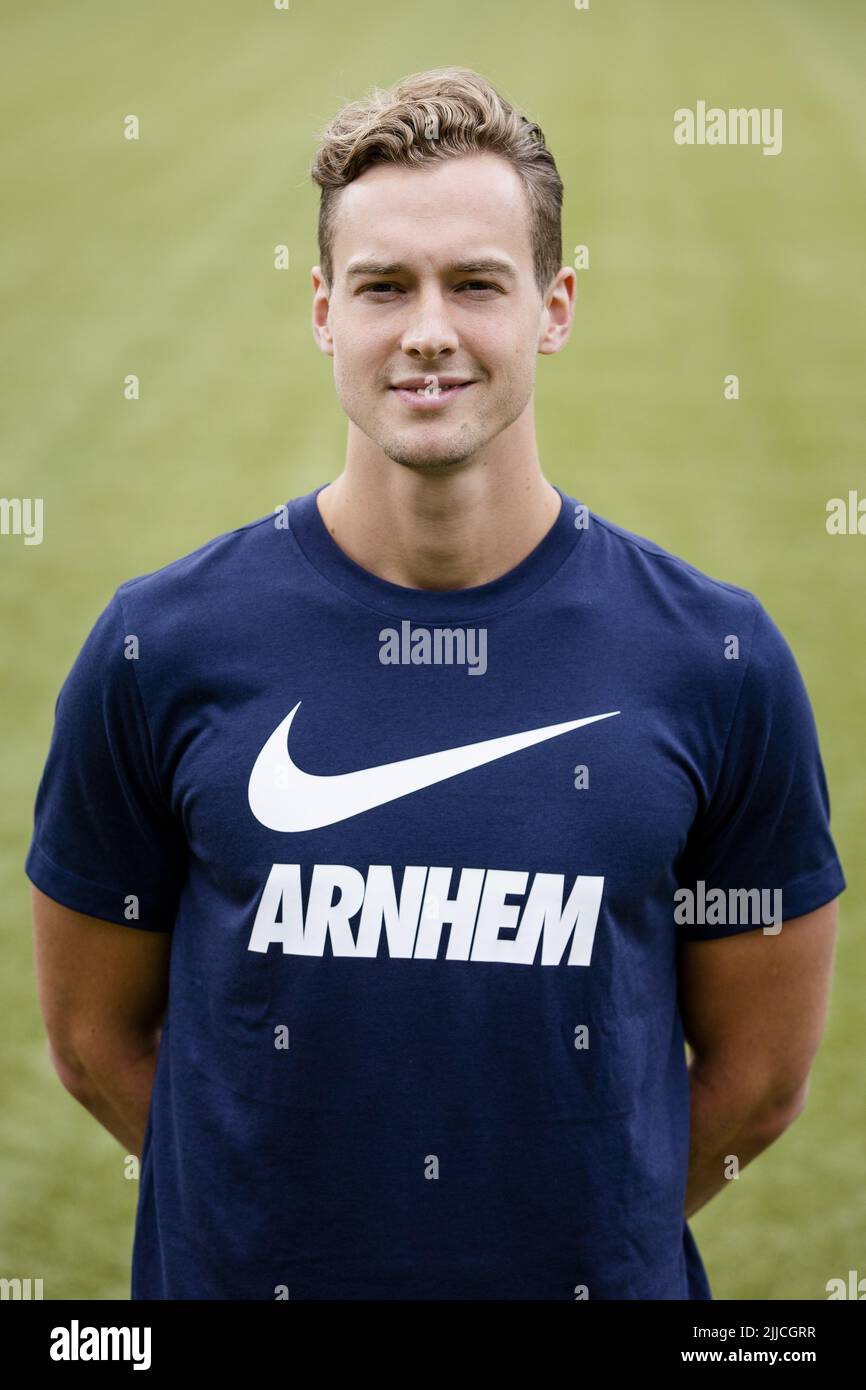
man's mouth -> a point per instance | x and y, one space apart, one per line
431 389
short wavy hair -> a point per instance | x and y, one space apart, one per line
433 115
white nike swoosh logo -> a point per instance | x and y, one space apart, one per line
282 797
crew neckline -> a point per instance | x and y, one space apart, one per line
480 600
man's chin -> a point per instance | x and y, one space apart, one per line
433 462
430 454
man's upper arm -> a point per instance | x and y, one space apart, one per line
102 987
754 1005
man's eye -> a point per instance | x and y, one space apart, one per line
380 288
383 287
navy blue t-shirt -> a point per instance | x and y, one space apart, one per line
418 851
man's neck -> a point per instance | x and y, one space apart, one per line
445 532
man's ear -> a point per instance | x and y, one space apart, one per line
558 314
321 308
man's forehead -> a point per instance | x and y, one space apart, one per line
467 209
486 172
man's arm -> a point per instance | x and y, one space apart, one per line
754 1008
102 990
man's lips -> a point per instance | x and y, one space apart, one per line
430 392
430 382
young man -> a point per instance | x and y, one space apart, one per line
393 792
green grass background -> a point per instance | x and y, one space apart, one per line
156 257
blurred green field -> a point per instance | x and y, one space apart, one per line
156 257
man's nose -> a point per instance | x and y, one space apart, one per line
429 331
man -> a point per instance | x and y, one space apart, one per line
401 793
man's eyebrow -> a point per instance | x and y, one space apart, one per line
487 266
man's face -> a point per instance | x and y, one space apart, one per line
434 318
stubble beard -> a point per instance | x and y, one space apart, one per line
441 456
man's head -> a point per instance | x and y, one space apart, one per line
440 249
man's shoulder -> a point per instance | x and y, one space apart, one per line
193 574
655 571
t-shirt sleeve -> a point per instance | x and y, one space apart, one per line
105 841
766 825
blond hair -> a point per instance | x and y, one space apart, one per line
435 115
